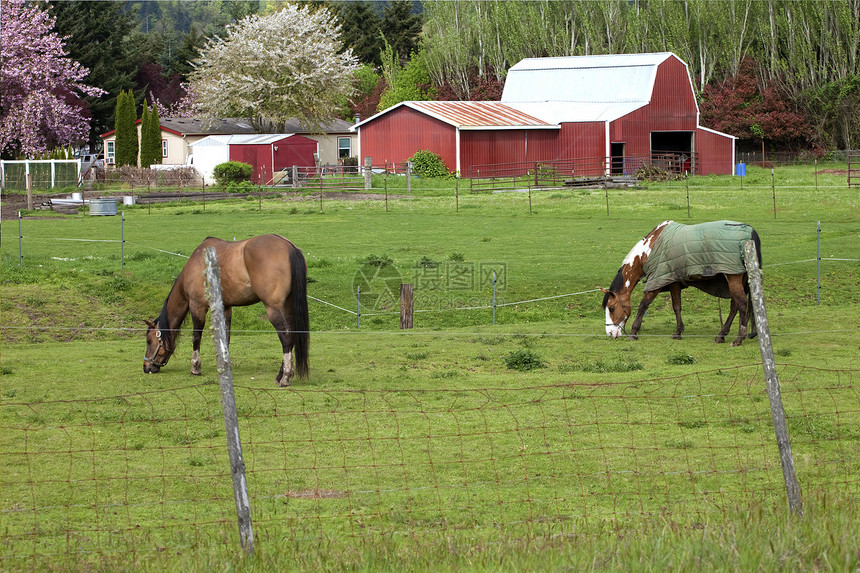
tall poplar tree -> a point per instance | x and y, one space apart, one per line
150 137
126 130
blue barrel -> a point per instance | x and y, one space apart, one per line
741 170
103 206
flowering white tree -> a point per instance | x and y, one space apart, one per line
269 69
40 86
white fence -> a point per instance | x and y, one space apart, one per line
42 174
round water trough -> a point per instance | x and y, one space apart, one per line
103 206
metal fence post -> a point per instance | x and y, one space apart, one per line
123 240
20 243
228 400
771 380
818 262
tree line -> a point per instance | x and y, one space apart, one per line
781 71
800 55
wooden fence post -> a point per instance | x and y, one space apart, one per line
406 305
771 380
228 400
368 172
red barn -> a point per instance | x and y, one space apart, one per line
271 153
608 112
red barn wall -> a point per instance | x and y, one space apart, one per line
247 154
295 150
586 143
395 137
672 108
716 153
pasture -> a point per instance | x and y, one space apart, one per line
532 443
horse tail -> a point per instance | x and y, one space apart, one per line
299 311
757 242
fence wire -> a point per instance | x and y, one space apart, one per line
136 473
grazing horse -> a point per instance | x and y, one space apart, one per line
268 268
708 256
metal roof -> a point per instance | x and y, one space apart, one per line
233 126
467 115
602 87
242 139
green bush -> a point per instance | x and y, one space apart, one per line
427 164
232 172
523 359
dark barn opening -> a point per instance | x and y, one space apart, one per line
672 150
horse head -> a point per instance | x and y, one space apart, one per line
158 348
618 310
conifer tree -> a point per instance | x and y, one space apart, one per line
155 134
150 137
126 130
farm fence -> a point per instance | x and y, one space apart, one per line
130 475
41 174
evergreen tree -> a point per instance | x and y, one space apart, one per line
360 30
155 133
97 35
150 137
145 151
126 129
402 28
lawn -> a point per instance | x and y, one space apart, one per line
532 443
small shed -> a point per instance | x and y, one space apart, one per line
269 154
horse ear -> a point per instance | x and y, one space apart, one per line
149 323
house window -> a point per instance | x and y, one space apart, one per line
110 152
164 148
344 147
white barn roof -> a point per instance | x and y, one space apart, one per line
582 88
241 139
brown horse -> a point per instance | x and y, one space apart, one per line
268 268
708 256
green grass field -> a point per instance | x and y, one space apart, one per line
533 443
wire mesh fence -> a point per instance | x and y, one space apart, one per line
144 471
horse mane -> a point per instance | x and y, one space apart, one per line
163 322
616 285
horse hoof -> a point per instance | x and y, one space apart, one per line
633 337
282 382
737 342
719 339
676 337
196 372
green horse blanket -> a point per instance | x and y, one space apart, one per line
685 253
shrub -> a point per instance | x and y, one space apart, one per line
232 172
427 164
523 359
679 358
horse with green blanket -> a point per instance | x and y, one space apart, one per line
708 256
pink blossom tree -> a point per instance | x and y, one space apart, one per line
40 86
